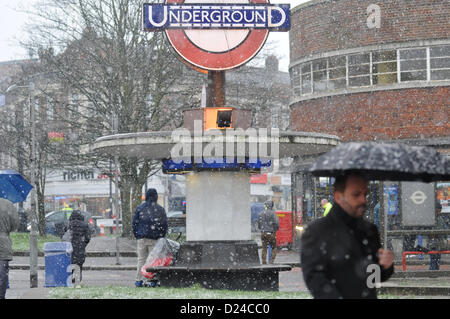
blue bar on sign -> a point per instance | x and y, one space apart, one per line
274 17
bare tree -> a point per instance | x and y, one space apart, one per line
105 70
110 71
15 129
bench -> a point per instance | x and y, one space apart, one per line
405 253
176 224
256 277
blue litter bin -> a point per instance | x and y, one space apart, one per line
58 268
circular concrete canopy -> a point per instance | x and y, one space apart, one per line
158 145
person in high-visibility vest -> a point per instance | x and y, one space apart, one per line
68 210
326 205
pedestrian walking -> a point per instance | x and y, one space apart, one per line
408 242
149 224
80 236
9 222
338 249
268 224
437 242
23 221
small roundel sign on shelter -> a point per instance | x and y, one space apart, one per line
216 36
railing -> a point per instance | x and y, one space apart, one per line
418 232
405 253
176 221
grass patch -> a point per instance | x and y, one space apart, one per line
176 237
118 292
21 241
386 296
196 292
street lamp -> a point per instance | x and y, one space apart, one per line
115 125
34 221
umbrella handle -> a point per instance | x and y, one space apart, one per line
384 215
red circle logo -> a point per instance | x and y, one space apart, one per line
217 50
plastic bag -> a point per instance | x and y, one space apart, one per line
67 236
161 255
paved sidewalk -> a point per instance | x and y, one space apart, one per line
101 254
101 258
107 244
101 269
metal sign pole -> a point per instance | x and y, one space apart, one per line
33 213
116 191
215 91
115 129
116 205
385 213
34 221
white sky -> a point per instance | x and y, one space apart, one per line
12 24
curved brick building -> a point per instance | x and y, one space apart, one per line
372 70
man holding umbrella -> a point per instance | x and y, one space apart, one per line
9 221
341 253
338 249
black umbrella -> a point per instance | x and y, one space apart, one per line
384 161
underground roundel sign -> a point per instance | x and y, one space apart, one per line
211 35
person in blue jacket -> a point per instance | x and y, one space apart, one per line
149 224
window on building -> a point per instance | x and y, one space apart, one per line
90 108
440 63
36 108
26 114
149 102
75 104
319 75
359 69
50 108
295 80
337 72
306 78
384 67
274 119
413 65
8 122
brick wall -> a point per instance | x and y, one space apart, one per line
339 24
380 115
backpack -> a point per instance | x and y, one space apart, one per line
154 221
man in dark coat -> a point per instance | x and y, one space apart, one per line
149 224
341 253
268 224
81 236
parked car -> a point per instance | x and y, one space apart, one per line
175 213
256 209
176 221
57 222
